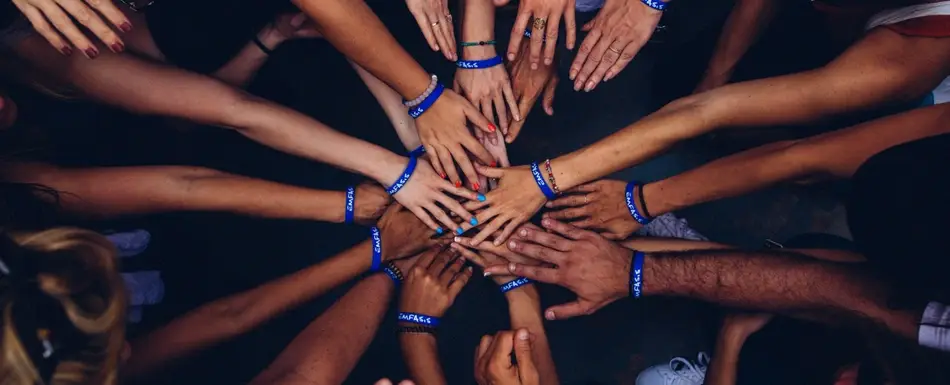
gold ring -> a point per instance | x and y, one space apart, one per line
435 24
614 50
540 23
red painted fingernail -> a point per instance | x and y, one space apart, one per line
66 50
475 186
125 27
442 175
91 53
117 47
491 127
458 184
494 164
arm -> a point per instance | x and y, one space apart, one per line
735 330
241 69
421 354
881 69
524 306
328 349
837 154
392 105
743 27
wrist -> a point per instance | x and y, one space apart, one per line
480 52
525 295
389 169
564 172
658 202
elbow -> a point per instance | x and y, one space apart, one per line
803 162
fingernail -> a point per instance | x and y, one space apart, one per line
590 86
457 239
473 243
577 87
545 222
610 75
66 50
512 245
459 231
473 221
125 27
523 335
117 47
458 184
494 164
547 61
534 66
481 197
475 186
511 267
573 74
548 205
439 231
523 232
491 127
91 53
486 274
442 175
549 315
511 56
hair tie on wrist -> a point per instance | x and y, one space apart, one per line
478 64
634 212
377 248
419 319
418 151
262 46
417 111
350 204
542 184
655 4
404 178
514 284
636 275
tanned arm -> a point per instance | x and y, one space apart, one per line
524 306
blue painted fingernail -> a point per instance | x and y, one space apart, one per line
481 197
459 231
439 231
473 221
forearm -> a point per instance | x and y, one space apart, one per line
524 306
234 315
725 359
421 354
651 244
392 105
373 48
241 69
743 27
329 348
478 22
776 282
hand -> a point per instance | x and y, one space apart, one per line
486 87
594 268
514 202
495 144
385 381
43 12
617 33
402 234
433 283
288 26
545 14
527 85
493 364
371 202
443 132
490 255
743 325
435 21
425 189
600 206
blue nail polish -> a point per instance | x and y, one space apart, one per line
459 231
473 221
481 197
439 231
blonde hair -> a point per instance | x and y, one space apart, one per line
77 270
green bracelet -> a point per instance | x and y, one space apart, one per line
475 43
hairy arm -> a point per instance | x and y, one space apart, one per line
881 69
835 154
743 27
234 315
524 306
328 349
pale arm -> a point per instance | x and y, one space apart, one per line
242 67
392 105
524 306
745 23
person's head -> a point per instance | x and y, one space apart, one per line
62 308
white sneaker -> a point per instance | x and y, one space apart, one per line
679 372
669 226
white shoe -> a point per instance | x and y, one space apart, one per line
669 226
679 372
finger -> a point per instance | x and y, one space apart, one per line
611 56
427 258
442 259
435 160
423 22
384 381
460 281
536 44
461 157
506 232
570 24
424 217
568 310
526 368
548 99
551 34
512 104
534 273
482 348
483 217
440 38
535 251
517 31
455 207
62 23
487 112
588 187
597 55
491 172
45 30
445 27
489 228
587 223
452 270
544 238
568 231
463 193
91 20
441 216
498 100
445 157
478 119
113 14
571 200
470 255
484 246
582 55
501 349
625 58
569 214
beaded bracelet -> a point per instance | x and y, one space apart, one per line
478 64
415 102
350 204
636 275
655 4
404 178
393 272
542 184
477 43
416 330
417 111
547 167
377 248
640 218
419 319
514 284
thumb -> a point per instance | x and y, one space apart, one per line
548 99
489 171
499 3
298 20
526 368
384 381
568 310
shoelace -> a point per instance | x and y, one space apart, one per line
703 360
687 371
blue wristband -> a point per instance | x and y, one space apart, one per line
477 64
636 275
377 248
417 111
542 184
655 4
419 151
419 319
640 218
392 275
350 204
511 285
392 190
